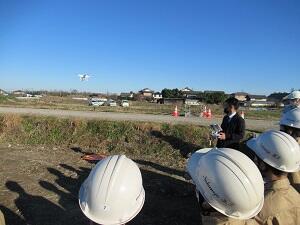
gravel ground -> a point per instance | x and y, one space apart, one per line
39 186
255 125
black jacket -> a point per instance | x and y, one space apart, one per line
234 132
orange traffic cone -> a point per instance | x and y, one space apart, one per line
209 114
243 114
204 113
175 113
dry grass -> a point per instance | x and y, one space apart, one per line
163 143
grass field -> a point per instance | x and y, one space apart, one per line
67 103
163 143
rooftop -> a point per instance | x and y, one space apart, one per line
239 93
146 90
257 96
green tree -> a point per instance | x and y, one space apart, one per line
214 97
171 93
166 93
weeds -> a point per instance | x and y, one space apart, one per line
162 143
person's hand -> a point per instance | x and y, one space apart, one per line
222 136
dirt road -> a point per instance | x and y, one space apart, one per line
39 186
256 125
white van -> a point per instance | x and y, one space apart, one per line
124 103
111 102
97 101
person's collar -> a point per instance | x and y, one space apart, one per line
231 115
279 184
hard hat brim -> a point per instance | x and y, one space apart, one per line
261 153
240 216
258 150
252 144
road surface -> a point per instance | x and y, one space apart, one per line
251 124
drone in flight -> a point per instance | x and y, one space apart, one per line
84 77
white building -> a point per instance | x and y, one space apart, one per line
261 104
157 95
2 92
261 98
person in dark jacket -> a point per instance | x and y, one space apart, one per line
233 126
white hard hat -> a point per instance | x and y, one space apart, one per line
228 180
293 95
113 192
192 164
291 118
277 149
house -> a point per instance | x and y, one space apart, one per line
261 104
214 92
171 101
194 94
186 90
241 96
277 97
146 92
192 101
124 95
157 95
2 92
261 98
189 93
19 93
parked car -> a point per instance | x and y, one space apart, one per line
96 101
111 102
124 103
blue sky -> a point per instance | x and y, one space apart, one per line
251 45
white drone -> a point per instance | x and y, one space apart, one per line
84 77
